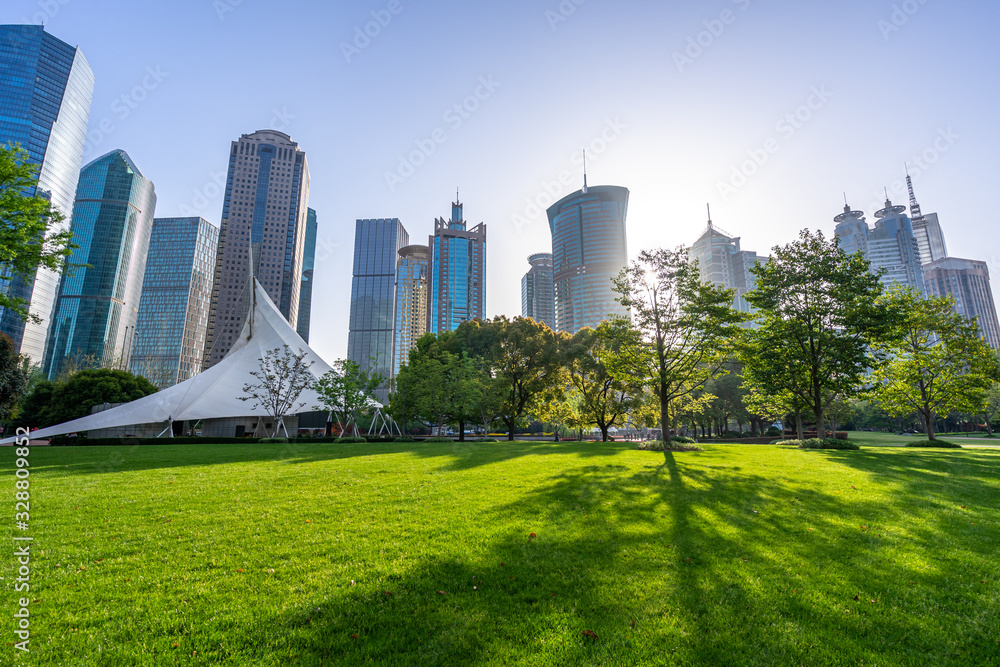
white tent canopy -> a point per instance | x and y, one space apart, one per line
214 393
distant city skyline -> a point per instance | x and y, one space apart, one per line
769 120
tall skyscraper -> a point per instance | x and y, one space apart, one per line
94 320
588 250
411 302
968 282
891 245
308 262
176 296
927 230
457 271
46 87
264 223
536 290
373 290
722 263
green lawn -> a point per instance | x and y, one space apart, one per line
411 554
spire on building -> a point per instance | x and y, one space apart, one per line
708 207
584 169
914 206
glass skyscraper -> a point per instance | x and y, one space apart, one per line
93 323
411 303
373 292
457 272
308 262
722 263
536 290
46 87
588 250
176 295
891 245
264 223
968 282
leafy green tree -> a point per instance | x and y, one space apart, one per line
57 402
680 329
523 359
819 313
346 390
937 361
29 234
990 406
605 399
13 378
278 382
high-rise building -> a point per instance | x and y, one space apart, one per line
536 290
927 230
411 302
264 224
373 288
722 263
588 250
891 245
169 341
308 262
46 87
93 323
457 271
968 282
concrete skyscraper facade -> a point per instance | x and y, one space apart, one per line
264 220
537 301
968 282
411 302
457 272
308 264
373 290
47 89
93 323
588 250
722 263
176 296
891 245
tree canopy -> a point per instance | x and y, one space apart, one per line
57 402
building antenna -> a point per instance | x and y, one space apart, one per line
708 208
457 200
845 200
914 206
585 170
886 195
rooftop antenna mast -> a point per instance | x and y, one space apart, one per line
708 208
914 206
585 170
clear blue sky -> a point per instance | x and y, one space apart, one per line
884 88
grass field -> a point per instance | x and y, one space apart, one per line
411 554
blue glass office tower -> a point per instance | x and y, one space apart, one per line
588 250
93 323
536 290
169 341
45 92
891 245
373 294
457 272
411 303
308 262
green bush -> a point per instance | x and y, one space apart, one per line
942 444
772 430
673 446
350 440
404 438
438 438
791 443
487 440
681 438
825 443
272 440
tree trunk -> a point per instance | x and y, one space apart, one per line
798 423
664 415
928 424
989 427
461 430
510 429
604 432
